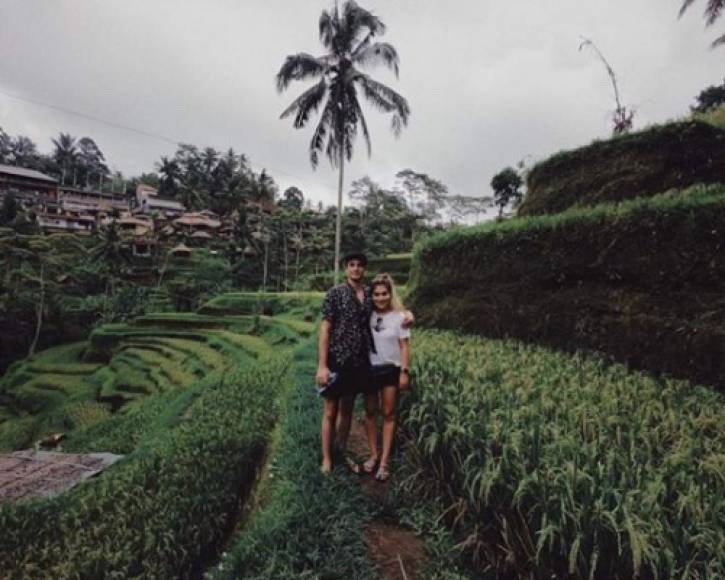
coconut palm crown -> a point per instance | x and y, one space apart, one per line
349 35
713 11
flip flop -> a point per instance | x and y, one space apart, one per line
383 474
370 466
353 465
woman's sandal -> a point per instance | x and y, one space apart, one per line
383 474
353 465
370 466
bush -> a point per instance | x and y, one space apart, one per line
672 156
267 303
164 511
551 466
640 281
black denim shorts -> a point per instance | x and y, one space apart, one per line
385 376
350 382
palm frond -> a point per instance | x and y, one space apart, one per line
718 41
307 103
317 144
714 11
387 100
378 53
685 5
298 67
356 19
364 126
327 28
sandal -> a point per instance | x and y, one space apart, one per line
383 474
370 466
353 465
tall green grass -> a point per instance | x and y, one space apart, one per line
165 510
548 465
307 525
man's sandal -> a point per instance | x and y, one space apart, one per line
383 474
353 465
370 466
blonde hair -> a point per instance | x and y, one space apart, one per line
387 281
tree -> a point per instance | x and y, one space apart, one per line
292 198
91 160
349 38
713 10
9 209
6 147
426 195
24 152
622 118
65 155
709 98
506 187
170 176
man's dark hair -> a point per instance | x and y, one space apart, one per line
355 256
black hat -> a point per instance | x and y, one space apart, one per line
355 256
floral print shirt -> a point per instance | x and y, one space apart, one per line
350 338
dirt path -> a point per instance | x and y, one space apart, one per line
398 553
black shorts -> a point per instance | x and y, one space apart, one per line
350 382
385 376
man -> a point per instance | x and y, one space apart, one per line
344 353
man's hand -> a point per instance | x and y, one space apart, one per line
408 319
323 376
404 383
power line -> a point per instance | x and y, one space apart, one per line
141 132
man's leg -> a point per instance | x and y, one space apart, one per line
344 419
329 416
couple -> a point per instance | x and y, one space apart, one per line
363 348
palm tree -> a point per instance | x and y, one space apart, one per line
170 176
66 153
349 37
713 11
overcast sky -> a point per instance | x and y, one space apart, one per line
489 82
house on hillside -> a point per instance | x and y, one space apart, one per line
66 223
91 202
32 188
149 201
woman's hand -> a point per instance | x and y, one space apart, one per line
323 376
404 383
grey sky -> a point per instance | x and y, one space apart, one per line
489 82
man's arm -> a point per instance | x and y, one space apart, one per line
408 319
323 347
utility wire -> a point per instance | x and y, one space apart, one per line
133 130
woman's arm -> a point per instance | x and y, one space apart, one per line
404 363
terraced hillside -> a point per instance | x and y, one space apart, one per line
69 389
189 399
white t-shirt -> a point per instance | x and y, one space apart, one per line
387 331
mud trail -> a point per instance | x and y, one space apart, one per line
397 553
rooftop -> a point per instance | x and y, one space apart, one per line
29 173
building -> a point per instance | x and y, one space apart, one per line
65 223
90 202
149 201
32 188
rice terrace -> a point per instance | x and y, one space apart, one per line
289 354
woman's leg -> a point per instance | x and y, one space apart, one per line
371 429
390 417
329 416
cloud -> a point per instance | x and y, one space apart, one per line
489 83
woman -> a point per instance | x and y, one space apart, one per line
390 371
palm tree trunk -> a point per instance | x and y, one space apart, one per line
338 222
40 306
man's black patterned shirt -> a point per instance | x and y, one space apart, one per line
350 338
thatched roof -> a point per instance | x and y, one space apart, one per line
181 249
